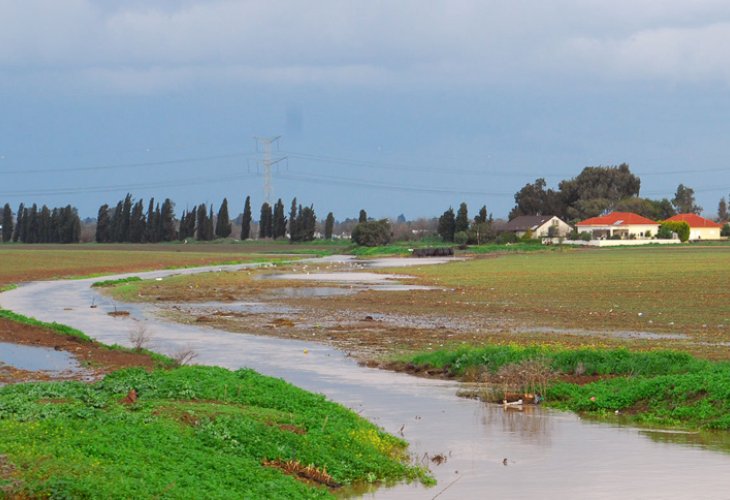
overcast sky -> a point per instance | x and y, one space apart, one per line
392 106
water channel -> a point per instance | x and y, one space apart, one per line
548 454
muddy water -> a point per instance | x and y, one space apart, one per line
33 358
549 454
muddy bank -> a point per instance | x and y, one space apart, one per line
92 360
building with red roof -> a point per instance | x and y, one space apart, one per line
624 225
699 227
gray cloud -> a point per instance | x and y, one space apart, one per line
153 45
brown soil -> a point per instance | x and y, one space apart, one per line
96 358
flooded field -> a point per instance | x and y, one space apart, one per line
474 449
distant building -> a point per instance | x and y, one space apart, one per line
540 226
624 225
699 227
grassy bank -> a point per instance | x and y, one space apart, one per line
665 388
191 432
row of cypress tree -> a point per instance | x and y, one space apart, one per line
130 222
44 225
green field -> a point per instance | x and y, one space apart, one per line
192 432
665 388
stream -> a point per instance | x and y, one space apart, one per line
549 454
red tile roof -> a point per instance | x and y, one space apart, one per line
617 219
694 220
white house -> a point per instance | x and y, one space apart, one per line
699 227
540 226
625 225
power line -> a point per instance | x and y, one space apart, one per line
175 161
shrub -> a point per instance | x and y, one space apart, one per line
372 233
681 228
585 236
461 238
725 231
506 237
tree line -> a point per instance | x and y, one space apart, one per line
600 189
41 225
129 222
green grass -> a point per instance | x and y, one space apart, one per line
666 388
108 283
7 288
194 432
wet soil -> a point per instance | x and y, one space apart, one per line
96 359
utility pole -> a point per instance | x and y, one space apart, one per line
268 161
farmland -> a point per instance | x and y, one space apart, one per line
640 298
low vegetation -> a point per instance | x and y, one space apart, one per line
120 281
185 433
666 388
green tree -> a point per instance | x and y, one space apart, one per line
246 219
279 222
223 222
722 214
372 233
363 216
137 223
18 223
447 225
266 226
202 222
102 224
481 217
684 200
329 225
167 221
293 229
7 223
461 224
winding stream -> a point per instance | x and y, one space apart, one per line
549 454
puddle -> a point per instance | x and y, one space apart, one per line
309 292
32 358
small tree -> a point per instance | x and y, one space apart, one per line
246 219
372 233
725 231
329 225
363 216
722 214
680 228
447 225
461 223
7 222
223 222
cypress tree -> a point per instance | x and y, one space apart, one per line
329 225
18 223
279 224
223 223
7 223
246 219
363 216
45 230
167 221
447 225
293 221
102 224
33 231
126 218
462 219
183 231
202 222
150 232
55 226
136 223
266 221
481 218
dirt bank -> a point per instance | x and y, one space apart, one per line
95 358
